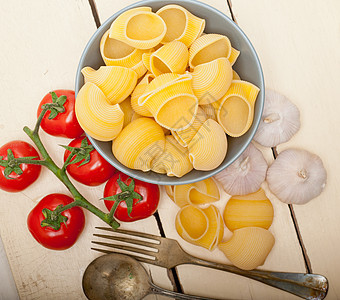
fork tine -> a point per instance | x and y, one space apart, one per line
135 233
127 240
139 258
127 248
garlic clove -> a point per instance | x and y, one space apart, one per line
246 174
280 120
296 176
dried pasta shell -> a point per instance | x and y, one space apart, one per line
137 92
209 111
139 143
211 80
252 210
139 28
234 54
236 76
208 147
96 116
173 105
248 248
174 161
118 53
197 193
182 25
116 82
236 108
207 48
171 58
127 110
202 227
184 136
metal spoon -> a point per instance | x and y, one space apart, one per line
118 276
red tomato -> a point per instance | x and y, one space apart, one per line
65 124
30 173
140 209
68 233
95 172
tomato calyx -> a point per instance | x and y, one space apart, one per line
79 153
127 194
53 218
57 105
12 164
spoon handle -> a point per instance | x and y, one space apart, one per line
160 291
307 286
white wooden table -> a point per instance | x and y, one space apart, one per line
298 44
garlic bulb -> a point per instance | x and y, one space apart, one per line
246 174
296 176
280 120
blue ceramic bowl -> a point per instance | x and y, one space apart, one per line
247 66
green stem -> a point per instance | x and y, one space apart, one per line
61 174
23 160
37 125
69 158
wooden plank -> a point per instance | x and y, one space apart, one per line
298 43
43 42
7 289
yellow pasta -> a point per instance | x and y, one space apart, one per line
208 147
139 143
137 92
236 109
182 25
209 47
96 116
173 161
118 53
127 110
116 82
252 210
234 54
184 136
209 111
236 76
249 247
139 28
173 105
197 193
171 58
211 80
202 227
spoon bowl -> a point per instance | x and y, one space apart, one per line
117 276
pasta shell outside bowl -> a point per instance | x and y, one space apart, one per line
247 66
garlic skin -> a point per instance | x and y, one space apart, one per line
280 120
246 174
296 176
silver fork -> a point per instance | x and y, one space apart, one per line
168 253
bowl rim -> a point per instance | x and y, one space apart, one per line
255 124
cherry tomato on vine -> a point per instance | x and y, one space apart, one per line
70 227
91 168
16 176
131 206
59 123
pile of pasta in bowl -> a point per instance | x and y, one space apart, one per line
168 97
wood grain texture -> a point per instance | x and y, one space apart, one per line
298 43
43 42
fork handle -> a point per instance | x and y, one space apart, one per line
308 286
